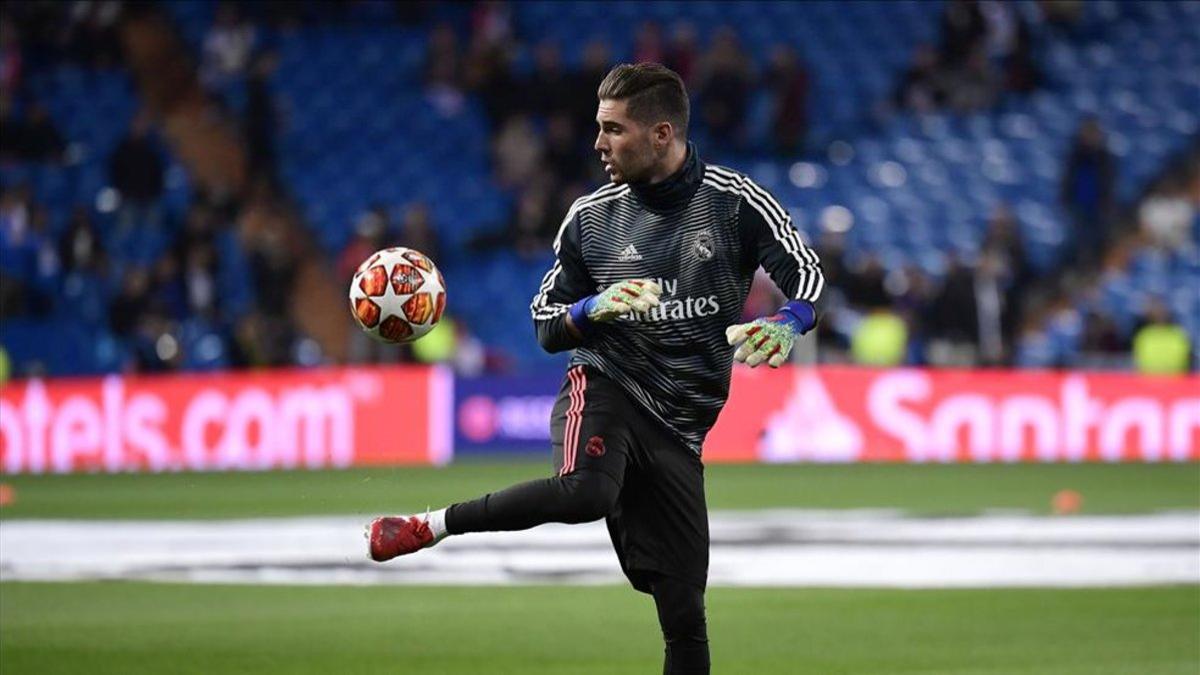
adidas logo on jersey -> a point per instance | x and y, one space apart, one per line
630 254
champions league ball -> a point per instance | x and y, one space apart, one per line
397 295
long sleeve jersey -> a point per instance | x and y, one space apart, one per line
701 234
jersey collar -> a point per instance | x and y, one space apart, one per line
675 191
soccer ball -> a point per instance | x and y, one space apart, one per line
397 295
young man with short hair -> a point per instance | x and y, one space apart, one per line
650 277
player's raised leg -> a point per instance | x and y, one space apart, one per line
590 446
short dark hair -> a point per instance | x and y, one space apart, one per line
653 92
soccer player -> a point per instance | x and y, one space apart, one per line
651 275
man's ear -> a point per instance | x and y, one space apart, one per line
663 134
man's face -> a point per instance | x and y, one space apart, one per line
625 146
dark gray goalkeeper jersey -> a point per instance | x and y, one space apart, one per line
701 234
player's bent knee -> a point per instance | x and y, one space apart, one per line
593 494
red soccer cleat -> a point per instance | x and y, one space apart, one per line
389 537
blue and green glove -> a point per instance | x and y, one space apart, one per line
771 338
630 295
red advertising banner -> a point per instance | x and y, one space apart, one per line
309 419
841 414
352 417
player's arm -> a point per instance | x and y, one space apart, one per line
769 233
566 309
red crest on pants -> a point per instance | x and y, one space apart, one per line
595 446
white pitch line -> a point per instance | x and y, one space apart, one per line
752 548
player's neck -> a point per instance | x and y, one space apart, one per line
676 157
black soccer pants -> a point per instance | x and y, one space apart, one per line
658 521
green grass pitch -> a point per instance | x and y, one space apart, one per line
133 627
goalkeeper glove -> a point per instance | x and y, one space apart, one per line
771 338
631 295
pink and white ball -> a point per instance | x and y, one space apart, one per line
397 295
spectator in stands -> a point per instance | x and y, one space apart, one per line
168 296
726 80
1088 193
953 322
444 69
417 231
974 85
788 83
371 233
126 309
443 59
81 249
1160 346
683 53
11 60
594 66
491 24
517 152
564 156
13 127
922 87
199 280
532 226
136 171
863 283
38 139
1003 243
260 119
1166 216
489 73
549 86
1102 339
90 36
963 29
648 43
227 47
1021 72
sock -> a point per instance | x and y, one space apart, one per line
437 524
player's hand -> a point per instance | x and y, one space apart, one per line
770 339
631 295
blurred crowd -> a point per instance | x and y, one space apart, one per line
542 109
212 283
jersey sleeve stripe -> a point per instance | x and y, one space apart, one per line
811 279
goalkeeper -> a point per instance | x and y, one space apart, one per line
650 277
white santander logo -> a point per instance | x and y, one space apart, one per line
810 427
1002 427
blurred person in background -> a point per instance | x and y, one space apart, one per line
683 52
260 119
136 170
1168 214
1088 192
372 232
788 83
1160 345
648 44
725 81
81 249
35 138
922 88
549 84
953 323
418 232
1004 245
227 47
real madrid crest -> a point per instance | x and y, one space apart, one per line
704 245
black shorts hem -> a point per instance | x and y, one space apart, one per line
640 577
